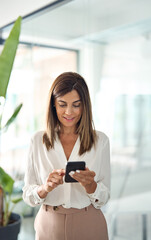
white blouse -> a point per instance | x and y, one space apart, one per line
41 162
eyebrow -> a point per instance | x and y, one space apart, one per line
73 102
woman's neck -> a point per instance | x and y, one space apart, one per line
67 131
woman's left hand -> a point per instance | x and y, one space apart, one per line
86 179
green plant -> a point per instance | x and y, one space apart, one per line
6 64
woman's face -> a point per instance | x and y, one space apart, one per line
69 109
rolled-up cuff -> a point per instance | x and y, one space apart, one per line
100 196
95 196
37 199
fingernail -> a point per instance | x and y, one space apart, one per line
78 171
71 173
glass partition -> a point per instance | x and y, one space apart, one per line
113 55
34 70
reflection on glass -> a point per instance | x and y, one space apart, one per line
114 57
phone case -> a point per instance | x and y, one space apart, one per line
73 166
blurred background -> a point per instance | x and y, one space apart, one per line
109 44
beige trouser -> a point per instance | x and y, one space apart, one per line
58 223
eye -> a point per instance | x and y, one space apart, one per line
62 105
76 106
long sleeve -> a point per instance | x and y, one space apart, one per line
30 194
102 192
42 162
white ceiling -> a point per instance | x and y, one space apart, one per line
101 21
11 9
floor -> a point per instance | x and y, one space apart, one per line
27 230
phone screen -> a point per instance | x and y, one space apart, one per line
73 166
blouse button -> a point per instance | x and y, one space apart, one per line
55 208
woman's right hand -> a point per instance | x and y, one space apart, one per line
54 179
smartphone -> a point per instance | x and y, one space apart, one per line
73 166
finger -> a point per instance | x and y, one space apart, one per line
88 170
54 174
51 175
77 174
56 171
85 173
58 179
61 172
83 179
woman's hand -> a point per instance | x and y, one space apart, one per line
86 179
54 179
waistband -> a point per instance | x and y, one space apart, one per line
62 210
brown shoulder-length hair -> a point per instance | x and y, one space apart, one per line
63 84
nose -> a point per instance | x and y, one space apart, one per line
68 110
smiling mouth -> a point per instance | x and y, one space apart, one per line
68 119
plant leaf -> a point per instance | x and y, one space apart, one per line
6 181
13 117
8 55
16 200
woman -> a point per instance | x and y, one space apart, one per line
69 211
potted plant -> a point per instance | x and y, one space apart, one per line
9 222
